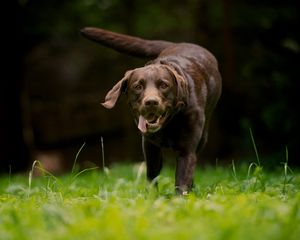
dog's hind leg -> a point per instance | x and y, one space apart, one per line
186 164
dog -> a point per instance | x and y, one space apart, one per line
172 98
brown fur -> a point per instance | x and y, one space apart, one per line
172 98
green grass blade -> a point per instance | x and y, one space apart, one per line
76 158
254 146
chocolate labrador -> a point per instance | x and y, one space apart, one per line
172 98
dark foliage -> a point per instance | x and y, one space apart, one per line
56 78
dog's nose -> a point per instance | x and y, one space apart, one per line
151 101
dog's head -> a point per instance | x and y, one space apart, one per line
154 93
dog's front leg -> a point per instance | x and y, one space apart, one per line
186 164
153 158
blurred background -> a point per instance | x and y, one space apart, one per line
53 79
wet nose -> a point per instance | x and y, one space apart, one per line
151 102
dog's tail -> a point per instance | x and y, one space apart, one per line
126 44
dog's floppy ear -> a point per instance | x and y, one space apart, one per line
113 95
182 86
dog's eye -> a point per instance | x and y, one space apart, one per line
164 85
138 87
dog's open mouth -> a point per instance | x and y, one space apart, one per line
151 123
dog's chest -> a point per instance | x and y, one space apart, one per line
176 134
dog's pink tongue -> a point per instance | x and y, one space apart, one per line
142 125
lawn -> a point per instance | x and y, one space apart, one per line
229 202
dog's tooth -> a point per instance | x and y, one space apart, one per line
158 119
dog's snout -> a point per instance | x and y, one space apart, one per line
151 101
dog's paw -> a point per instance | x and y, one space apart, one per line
182 190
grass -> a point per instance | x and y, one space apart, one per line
234 202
